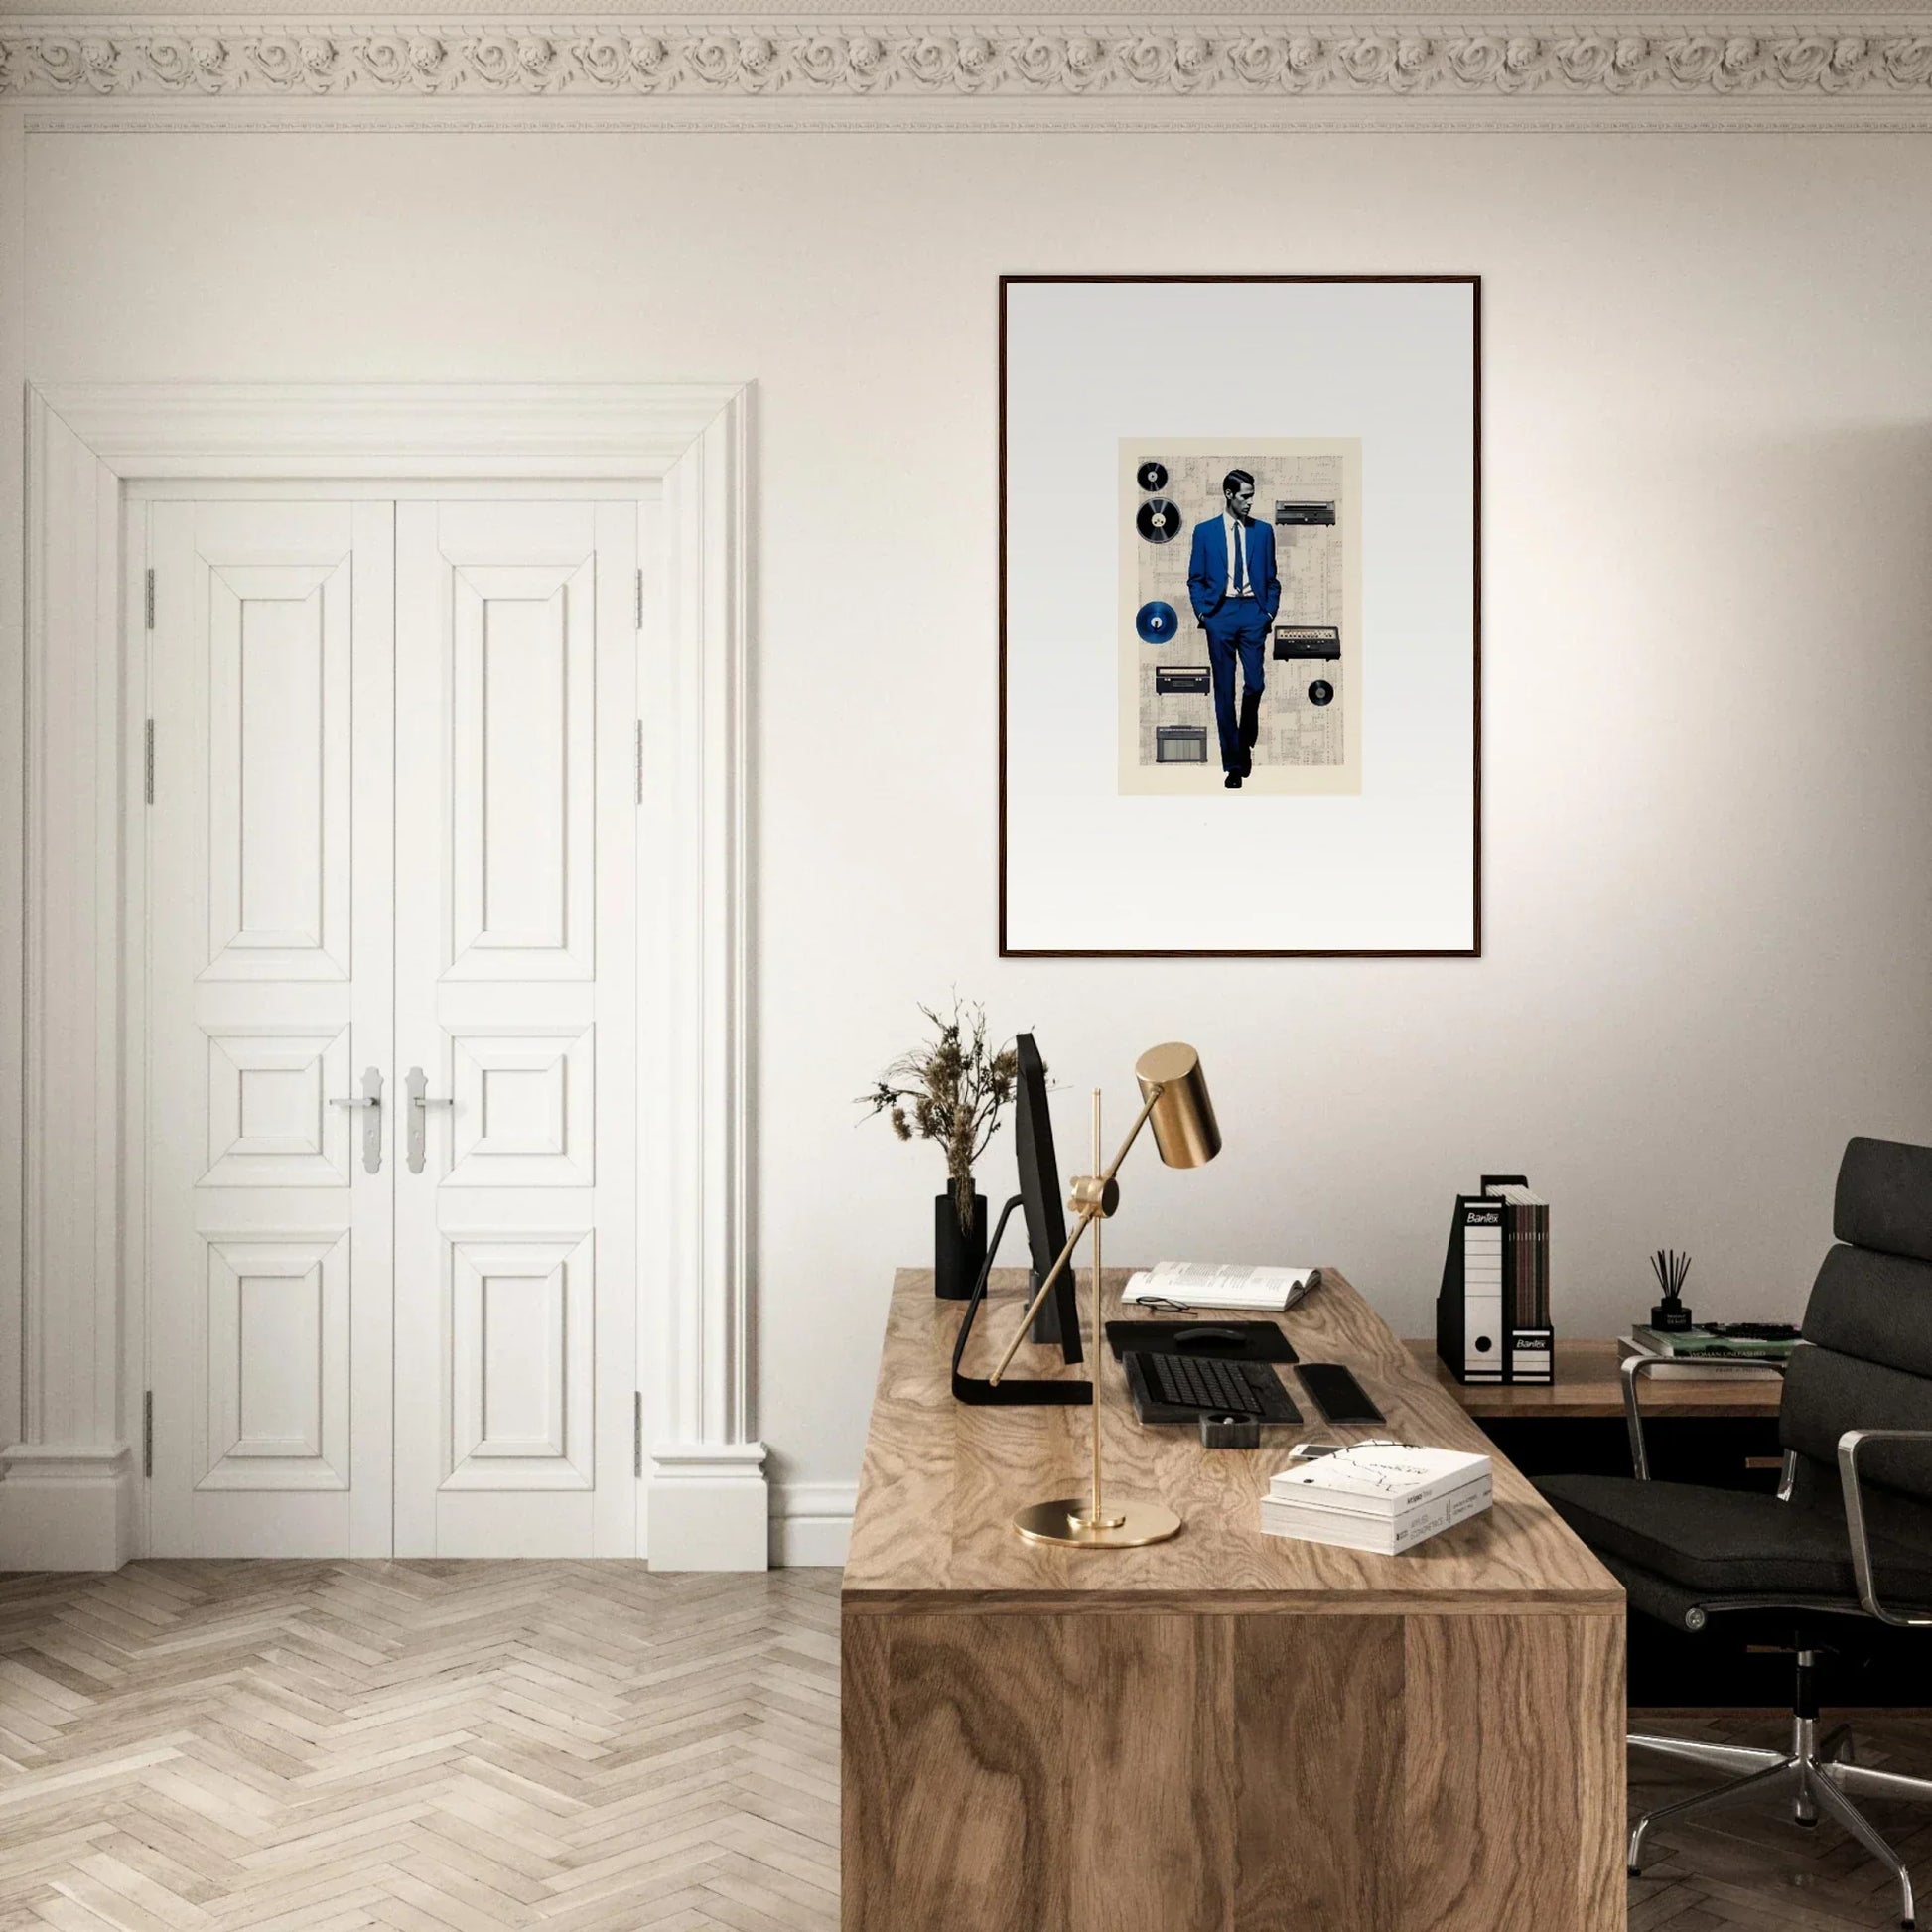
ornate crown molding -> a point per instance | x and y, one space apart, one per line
1236 63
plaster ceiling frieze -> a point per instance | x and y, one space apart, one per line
1231 61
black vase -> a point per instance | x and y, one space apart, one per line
957 1258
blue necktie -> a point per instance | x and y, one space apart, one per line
1240 575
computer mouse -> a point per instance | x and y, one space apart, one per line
1209 1338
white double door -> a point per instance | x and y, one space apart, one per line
390 858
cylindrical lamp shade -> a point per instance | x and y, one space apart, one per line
1185 1128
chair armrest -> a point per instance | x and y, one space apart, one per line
1849 1445
1634 1367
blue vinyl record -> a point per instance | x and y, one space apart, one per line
1157 623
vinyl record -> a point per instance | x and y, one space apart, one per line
1152 476
1159 520
1320 691
1157 623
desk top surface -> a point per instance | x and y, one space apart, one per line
1588 1385
941 1480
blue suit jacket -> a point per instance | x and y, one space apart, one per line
1208 568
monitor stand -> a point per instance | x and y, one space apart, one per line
1013 1391
1047 1323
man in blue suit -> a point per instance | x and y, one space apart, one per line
1235 592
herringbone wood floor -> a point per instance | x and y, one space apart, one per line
464 1747
431 1746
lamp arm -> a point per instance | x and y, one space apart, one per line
1133 1134
1088 1216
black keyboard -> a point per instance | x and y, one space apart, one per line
1197 1386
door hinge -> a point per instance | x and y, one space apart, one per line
641 597
638 1432
147 758
150 600
640 761
147 1433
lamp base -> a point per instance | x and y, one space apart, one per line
1128 1526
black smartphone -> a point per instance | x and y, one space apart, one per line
1336 1392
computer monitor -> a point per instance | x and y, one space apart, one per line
1039 1198
1040 1195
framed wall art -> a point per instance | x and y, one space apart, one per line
1240 614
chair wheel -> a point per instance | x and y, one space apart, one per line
1810 1824
1633 1871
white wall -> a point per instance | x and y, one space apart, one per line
1707 654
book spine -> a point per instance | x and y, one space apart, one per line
1543 1319
1352 1529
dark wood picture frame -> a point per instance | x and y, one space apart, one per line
1474 949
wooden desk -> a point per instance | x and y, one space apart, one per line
1226 1733
1588 1385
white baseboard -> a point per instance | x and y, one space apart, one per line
66 1509
811 1522
710 1506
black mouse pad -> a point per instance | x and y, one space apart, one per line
1251 1341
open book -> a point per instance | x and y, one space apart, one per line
1204 1285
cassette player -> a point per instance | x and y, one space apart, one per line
1169 679
1307 641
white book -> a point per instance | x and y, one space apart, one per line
1387 1536
1207 1284
1377 1478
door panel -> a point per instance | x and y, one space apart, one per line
515 1244
270 953
521 800
278 1337
279 764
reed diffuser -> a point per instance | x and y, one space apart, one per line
1670 1315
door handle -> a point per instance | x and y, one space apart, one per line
419 1105
370 1098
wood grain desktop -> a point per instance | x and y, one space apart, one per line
1226 1733
1588 1385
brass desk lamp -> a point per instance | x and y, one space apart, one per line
1174 1099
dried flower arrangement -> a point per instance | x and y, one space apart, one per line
952 1091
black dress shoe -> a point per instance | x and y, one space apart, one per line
1232 781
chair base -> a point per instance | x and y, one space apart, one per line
1817 1774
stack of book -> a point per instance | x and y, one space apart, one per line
1379 1496
1526 1257
1686 1351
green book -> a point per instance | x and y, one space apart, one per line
1701 1341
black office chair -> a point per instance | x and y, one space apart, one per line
1849 1536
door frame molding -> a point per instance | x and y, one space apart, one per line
69 1467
